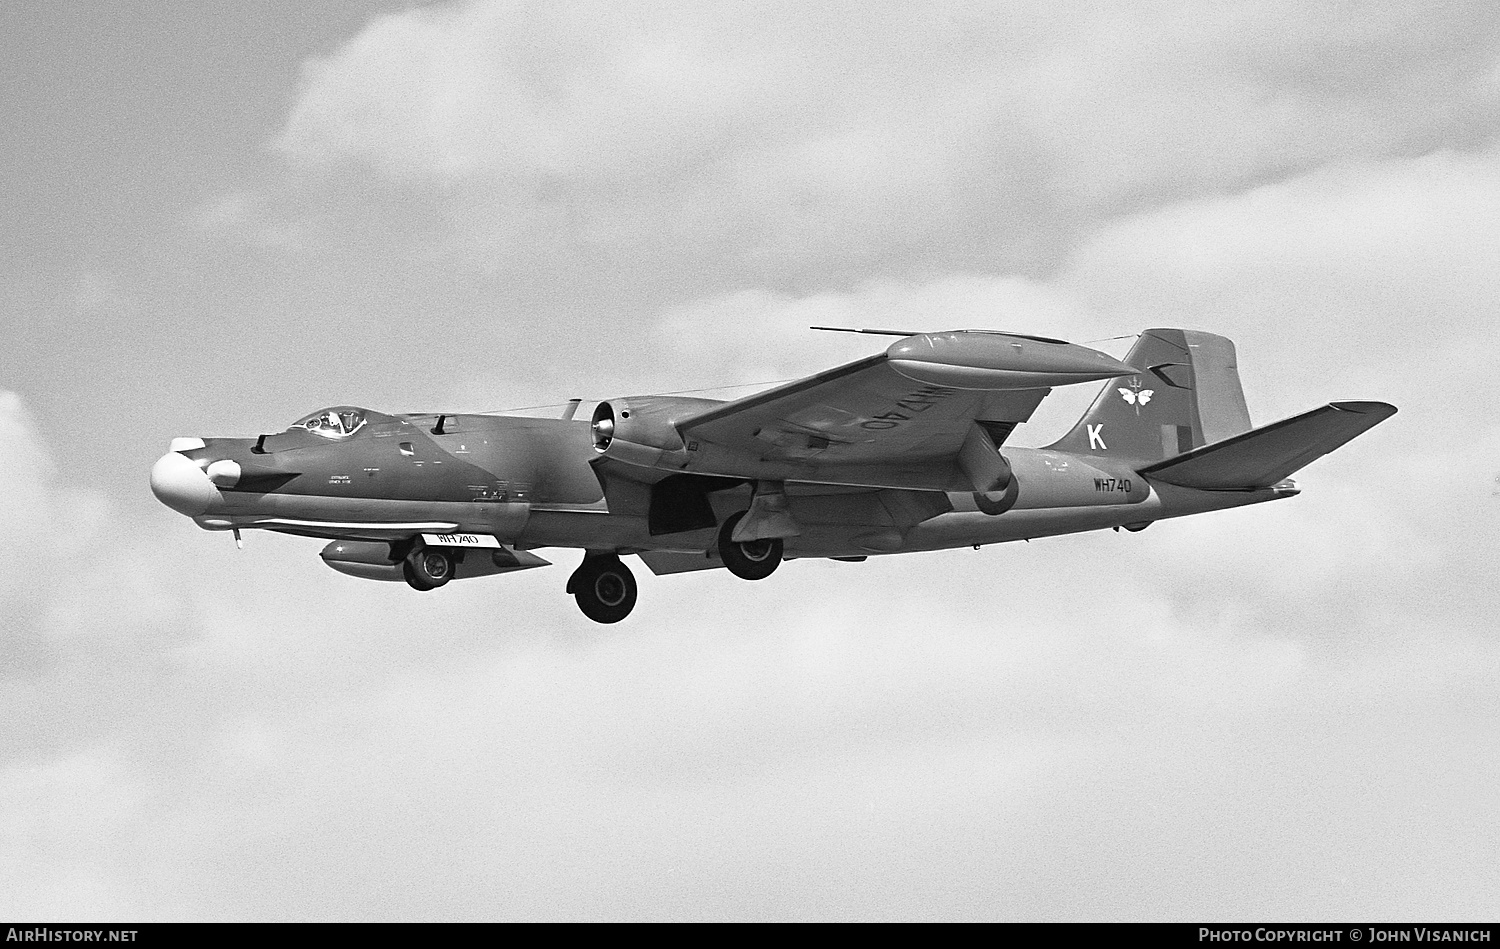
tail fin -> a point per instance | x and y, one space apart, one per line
1187 395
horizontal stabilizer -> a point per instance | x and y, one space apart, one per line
1264 456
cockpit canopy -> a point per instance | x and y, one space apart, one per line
340 421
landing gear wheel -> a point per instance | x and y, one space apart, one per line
604 588
427 569
751 559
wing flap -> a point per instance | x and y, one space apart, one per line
665 562
1264 456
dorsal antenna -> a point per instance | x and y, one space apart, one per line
850 329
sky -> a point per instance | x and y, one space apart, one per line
217 219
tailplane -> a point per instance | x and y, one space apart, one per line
1264 456
1186 395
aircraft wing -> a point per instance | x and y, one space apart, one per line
927 413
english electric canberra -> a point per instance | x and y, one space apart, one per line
899 452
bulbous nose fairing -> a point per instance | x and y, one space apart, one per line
181 485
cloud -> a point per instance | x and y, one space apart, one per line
1207 718
790 139
797 757
24 467
1354 281
1371 278
245 216
1285 710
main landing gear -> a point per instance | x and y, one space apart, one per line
427 568
604 588
748 559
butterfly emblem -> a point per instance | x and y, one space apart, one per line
1136 397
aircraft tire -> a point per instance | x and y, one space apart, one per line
750 560
604 588
427 569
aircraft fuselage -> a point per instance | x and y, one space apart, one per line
529 483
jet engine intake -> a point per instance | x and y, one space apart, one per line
642 430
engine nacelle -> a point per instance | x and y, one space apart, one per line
642 430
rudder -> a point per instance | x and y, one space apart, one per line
1187 395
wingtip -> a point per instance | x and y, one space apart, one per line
1382 409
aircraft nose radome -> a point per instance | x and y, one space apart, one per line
181 485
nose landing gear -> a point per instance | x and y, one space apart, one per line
604 588
427 569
